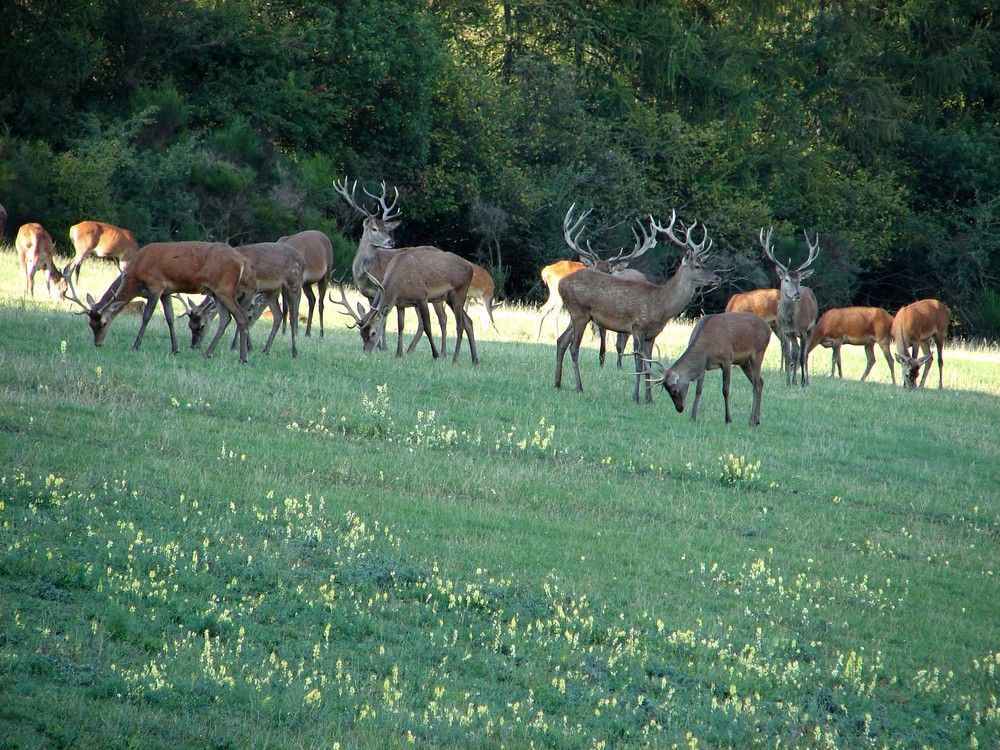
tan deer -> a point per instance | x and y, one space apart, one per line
102 240
162 269
413 279
640 309
278 268
317 250
764 303
797 307
481 289
717 343
857 326
912 329
35 251
553 273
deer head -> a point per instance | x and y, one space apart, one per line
791 281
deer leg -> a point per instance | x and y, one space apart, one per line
168 312
752 369
424 325
321 286
472 339
940 359
229 309
699 386
561 344
835 363
602 334
311 299
147 313
926 347
277 316
870 355
292 297
645 349
804 354
456 301
884 346
442 317
620 343
554 302
727 374
224 316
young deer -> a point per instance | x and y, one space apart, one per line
797 307
102 240
413 279
762 302
858 326
717 343
640 309
35 250
163 269
913 328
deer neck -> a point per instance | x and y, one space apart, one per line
676 293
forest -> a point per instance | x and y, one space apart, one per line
873 123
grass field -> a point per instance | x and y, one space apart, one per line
342 551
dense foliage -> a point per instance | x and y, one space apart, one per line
873 123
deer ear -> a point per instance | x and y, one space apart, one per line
361 310
805 274
902 360
391 226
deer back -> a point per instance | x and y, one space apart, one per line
275 264
762 302
103 240
423 273
316 250
920 321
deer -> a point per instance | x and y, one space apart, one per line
717 343
912 329
797 307
413 279
762 302
376 249
857 326
162 269
317 250
553 273
102 240
638 308
278 268
35 251
481 289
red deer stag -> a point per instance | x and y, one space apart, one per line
317 250
278 268
162 269
553 273
912 329
797 307
102 240
413 279
35 250
376 249
763 303
719 342
858 326
638 308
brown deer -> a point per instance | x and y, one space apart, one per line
553 273
162 269
912 329
278 268
857 326
317 250
413 279
376 249
762 302
481 290
102 240
638 308
717 343
35 250
797 307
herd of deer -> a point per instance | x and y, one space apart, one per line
238 283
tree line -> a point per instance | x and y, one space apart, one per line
873 123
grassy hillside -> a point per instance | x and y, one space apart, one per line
366 552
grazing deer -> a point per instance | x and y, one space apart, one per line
553 273
858 326
797 307
413 279
481 290
376 249
764 303
35 250
638 308
317 251
912 329
102 240
278 268
717 343
162 269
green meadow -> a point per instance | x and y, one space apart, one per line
341 551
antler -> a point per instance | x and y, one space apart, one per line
813 250
572 241
72 296
343 302
640 247
768 244
698 249
387 212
